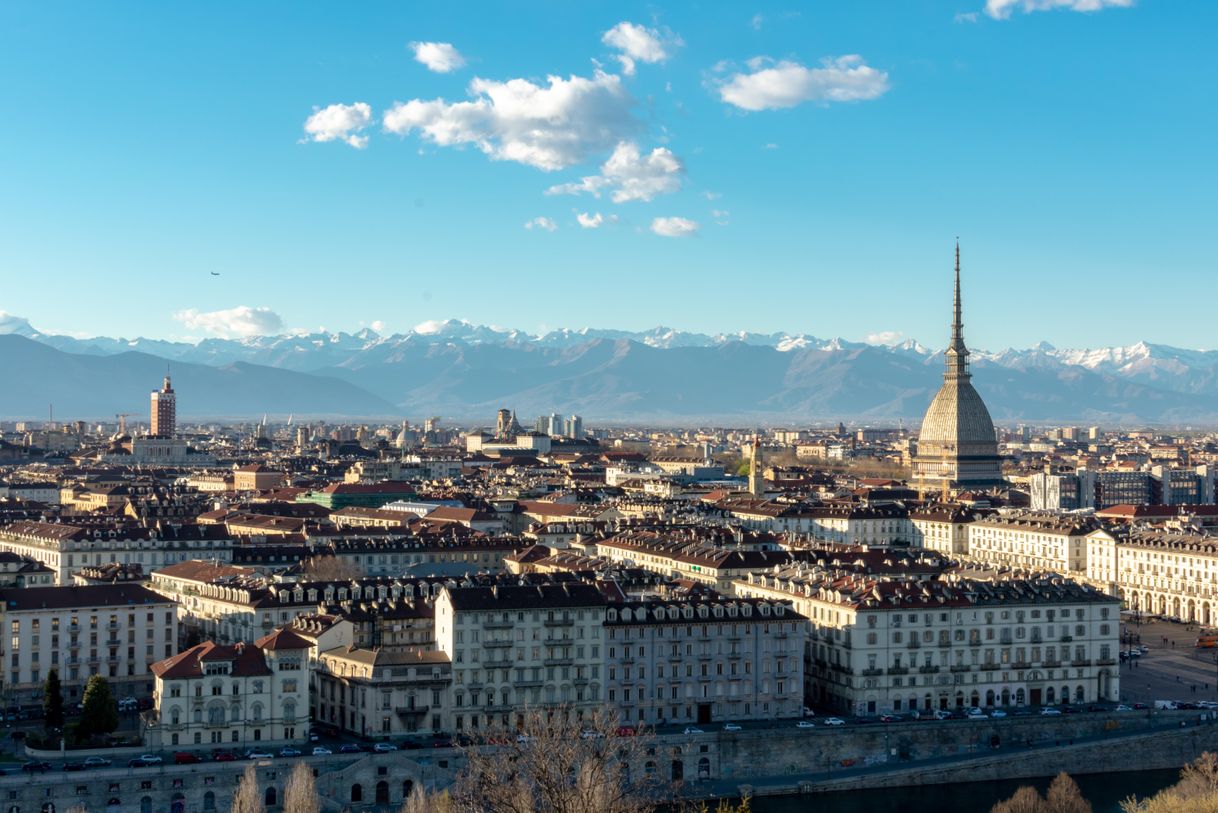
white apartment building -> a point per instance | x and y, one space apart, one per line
860 524
1032 541
519 646
889 645
704 660
383 693
67 548
236 695
1157 571
114 630
941 528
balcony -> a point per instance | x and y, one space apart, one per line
501 664
872 672
496 644
989 667
497 625
928 669
1021 665
559 622
960 667
944 644
898 670
1081 662
408 711
1106 662
559 661
913 645
1050 663
1067 639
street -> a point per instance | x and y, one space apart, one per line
1173 669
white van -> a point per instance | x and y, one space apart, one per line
1165 705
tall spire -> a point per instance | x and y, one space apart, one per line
957 353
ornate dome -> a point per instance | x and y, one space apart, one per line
957 420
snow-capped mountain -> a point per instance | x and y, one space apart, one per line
460 369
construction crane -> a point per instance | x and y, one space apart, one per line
122 422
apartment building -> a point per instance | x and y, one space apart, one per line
890 645
67 548
518 646
384 693
1031 540
704 660
1159 571
941 528
114 630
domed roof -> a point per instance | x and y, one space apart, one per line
957 418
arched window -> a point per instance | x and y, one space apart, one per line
175 715
357 792
209 801
382 792
146 804
256 713
289 711
215 714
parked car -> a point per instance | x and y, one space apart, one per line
976 714
890 718
384 747
625 731
258 753
152 759
1123 707
36 766
96 762
224 756
349 748
1049 711
289 751
1140 707
731 727
805 724
74 766
186 758
690 730
442 742
943 714
834 721
321 751
997 714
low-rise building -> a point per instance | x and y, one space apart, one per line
235 695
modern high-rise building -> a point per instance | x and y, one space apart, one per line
957 447
164 411
575 427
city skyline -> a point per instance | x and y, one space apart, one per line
693 162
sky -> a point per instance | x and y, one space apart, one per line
181 170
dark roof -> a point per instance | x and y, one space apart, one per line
92 595
517 597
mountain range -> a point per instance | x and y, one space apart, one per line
464 371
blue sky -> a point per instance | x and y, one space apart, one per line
759 166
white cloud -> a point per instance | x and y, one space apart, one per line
340 122
965 17
541 223
548 127
377 325
639 44
772 85
629 175
888 338
674 227
440 57
232 323
589 220
1001 9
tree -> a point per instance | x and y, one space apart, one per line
420 801
1024 800
52 702
300 792
557 763
1196 792
100 713
329 569
247 798
1064 796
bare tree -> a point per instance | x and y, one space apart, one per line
247 798
557 763
420 801
1024 800
330 569
1196 792
1064 796
300 792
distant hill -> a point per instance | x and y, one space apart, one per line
459 370
83 386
